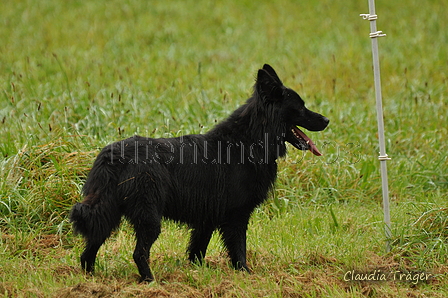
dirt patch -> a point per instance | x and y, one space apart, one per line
87 290
97 290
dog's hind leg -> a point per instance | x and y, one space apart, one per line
234 238
146 232
95 223
200 237
89 255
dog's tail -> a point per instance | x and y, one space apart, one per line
99 214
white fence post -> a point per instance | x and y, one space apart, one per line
374 34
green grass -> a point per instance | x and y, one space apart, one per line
78 75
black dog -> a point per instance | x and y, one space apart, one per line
210 181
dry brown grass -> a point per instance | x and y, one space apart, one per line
323 279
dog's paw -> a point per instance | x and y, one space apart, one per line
146 279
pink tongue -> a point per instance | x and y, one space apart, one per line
313 147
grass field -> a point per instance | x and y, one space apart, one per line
77 75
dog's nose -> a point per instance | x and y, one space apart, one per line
326 120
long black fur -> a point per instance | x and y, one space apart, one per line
211 182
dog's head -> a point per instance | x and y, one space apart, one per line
290 108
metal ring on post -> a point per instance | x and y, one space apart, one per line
384 157
377 34
369 17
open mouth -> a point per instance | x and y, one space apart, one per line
303 142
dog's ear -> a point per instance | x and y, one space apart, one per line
272 72
268 88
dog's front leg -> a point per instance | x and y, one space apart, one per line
200 237
234 238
